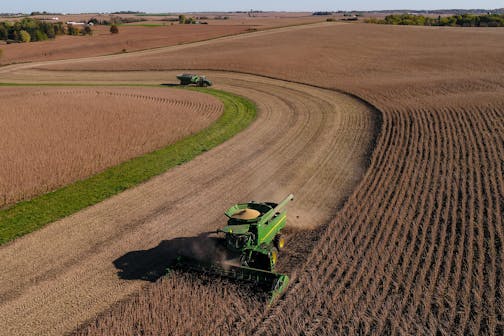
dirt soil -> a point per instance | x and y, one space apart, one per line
308 141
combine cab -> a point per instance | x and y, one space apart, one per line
252 235
191 79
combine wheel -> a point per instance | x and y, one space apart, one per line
279 242
273 257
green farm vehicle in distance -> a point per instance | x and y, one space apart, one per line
252 235
192 79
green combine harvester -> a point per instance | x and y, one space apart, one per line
252 235
192 79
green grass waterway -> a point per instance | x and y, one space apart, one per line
28 216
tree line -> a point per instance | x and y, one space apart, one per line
44 13
32 30
115 20
182 19
464 20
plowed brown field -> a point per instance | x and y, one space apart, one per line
130 38
152 33
417 247
54 136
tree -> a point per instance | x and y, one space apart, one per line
1 53
182 19
49 30
114 29
59 29
25 36
87 31
4 33
39 36
71 30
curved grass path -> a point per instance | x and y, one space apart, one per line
28 216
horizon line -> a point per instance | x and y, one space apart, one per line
265 11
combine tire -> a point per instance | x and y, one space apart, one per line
279 242
274 257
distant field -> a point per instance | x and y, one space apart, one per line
130 38
257 20
152 33
342 51
54 136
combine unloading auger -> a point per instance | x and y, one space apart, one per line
252 234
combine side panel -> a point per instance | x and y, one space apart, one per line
268 231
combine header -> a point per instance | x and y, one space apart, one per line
252 236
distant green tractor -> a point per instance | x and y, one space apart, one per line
191 79
253 234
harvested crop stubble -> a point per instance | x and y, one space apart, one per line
418 247
55 136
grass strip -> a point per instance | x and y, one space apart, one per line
28 216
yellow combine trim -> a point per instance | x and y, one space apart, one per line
274 226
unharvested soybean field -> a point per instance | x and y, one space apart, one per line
55 136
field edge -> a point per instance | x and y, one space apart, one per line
27 216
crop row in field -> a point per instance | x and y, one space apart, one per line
54 136
418 247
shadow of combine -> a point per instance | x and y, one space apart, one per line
152 264
171 84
